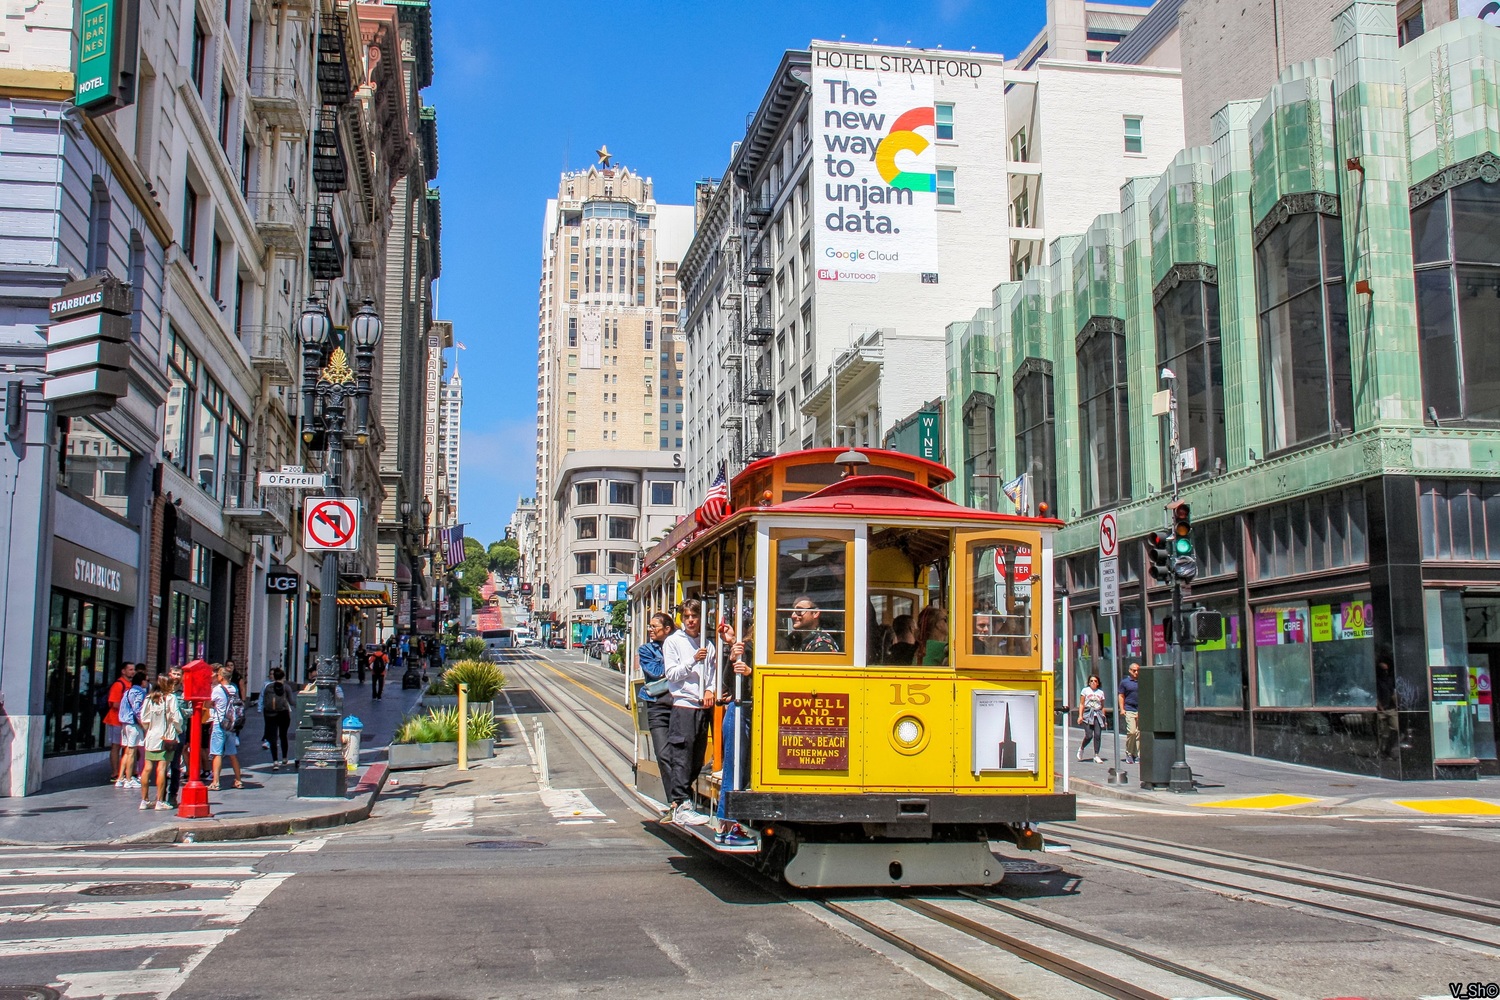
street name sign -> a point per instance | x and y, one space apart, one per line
330 524
295 480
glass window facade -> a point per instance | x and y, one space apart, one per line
1104 416
96 466
1306 383
83 658
980 486
1036 431
1315 652
1187 342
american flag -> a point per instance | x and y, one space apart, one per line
453 545
715 506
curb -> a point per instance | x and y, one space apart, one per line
1161 796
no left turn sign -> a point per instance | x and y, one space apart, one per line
1109 537
330 524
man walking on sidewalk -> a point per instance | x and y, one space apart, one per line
377 674
1129 700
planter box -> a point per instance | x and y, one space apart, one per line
410 756
451 701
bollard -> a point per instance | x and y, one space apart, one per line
353 729
463 727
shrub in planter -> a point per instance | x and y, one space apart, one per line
483 678
471 648
440 725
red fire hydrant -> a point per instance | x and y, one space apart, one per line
198 691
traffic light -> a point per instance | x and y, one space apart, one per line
1206 626
1184 563
1158 557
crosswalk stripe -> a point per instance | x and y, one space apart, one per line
24 947
451 814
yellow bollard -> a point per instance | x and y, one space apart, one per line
463 727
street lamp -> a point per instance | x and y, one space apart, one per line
326 392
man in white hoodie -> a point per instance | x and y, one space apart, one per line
692 682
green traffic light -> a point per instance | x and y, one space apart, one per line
1183 546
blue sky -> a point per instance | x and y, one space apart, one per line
524 91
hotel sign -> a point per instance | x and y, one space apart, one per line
108 38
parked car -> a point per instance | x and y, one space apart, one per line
557 642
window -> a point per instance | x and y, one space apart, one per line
1410 25
236 454
1187 342
98 252
1036 430
944 122
622 493
1457 255
83 659
96 466
622 564
1020 147
1103 413
182 414
585 527
945 192
210 438
1096 56
1317 652
1218 680
199 54
190 222
1310 535
572 331
1460 520
585 562
1001 623
581 598
979 461
1020 211
811 574
585 493
224 120
622 527
216 267
1306 386
663 494
649 333
1133 141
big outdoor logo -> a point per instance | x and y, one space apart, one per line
903 138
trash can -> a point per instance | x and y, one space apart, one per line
353 729
1158 723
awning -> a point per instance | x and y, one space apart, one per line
363 599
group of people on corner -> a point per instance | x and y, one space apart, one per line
683 681
148 724
1091 715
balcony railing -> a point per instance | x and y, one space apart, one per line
279 99
259 511
280 220
271 353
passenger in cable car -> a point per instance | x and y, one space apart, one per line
903 647
655 691
985 643
932 636
807 630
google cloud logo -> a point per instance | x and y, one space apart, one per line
903 138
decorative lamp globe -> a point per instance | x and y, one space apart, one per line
314 325
365 325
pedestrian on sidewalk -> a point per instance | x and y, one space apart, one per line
1091 718
377 674
112 719
691 668
159 716
226 718
1129 700
276 709
362 663
132 732
179 750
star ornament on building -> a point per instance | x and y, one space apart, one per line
603 153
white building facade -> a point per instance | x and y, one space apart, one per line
450 424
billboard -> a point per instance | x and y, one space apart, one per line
875 166
1485 10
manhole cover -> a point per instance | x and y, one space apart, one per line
505 845
130 889
28 993
1029 868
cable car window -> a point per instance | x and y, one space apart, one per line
906 569
1001 577
810 589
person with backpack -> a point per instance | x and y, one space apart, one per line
377 674
276 706
228 718
132 731
112 731
161 721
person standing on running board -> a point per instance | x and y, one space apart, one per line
691 670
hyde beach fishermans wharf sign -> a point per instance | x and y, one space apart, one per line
875 172
812 731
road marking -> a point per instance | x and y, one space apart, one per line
451 814
1450 807
582 686
1259 802
673 953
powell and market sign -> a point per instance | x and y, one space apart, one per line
108 39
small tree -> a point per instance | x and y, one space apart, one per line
619 616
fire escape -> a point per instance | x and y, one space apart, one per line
325 251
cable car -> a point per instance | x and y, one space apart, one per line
867 754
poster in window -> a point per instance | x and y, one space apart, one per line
1005 731
1281 626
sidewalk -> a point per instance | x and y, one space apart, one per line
1236 781
82 808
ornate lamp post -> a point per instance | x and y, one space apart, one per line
326 393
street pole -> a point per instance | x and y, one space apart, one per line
1067 682
1181 779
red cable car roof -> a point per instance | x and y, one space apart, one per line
936 471
891 496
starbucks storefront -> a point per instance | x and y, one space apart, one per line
92 595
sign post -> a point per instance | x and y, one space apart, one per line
1109 609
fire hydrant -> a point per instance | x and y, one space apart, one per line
352 731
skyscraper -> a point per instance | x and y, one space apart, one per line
448 434
609 365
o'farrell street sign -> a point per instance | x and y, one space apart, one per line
294 480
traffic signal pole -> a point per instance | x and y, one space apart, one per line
1181 779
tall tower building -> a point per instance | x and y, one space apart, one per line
609 365
448 434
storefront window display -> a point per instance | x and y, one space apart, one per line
1315 653
188 629
83 656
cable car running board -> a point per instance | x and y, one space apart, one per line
819 866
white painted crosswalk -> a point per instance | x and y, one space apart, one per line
101 924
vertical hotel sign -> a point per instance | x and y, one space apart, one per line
875 165
108 36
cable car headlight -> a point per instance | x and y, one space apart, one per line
908 732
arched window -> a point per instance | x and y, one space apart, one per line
1456 249
1306 386
1103 413
1036 432
98 251
1187 342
